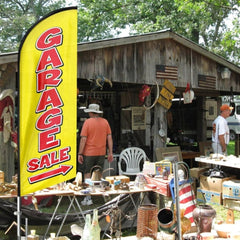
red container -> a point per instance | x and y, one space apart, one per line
162 186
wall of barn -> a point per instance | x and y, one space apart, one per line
136 63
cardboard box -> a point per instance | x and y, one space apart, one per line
196 172
194 186
212 183
231 189
123 179
149 168
157 168
206 196
161 165
232 204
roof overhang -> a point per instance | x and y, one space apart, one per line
164 34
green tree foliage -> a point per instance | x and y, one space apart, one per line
99 19
203 22
17 16
229 46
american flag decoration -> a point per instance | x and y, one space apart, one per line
166 72
206 81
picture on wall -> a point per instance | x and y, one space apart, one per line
138 118
211 109
169 153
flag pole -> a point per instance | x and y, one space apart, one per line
18 213
176 194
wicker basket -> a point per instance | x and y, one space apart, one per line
147 222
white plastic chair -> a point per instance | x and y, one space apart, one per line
132 157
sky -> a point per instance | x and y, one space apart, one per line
71 2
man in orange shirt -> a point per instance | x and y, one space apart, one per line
95 135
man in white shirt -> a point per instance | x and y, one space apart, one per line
220 130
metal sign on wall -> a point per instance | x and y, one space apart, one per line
167 94
47 102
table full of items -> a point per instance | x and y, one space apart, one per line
158 178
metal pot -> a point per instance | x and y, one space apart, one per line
203 216
97 173
167 220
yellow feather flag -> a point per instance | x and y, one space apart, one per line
47 102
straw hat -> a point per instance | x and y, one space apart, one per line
93 108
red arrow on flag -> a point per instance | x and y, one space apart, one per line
63 169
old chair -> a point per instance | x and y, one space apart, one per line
131 161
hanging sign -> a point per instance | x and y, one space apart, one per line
166 94
164 102
47 102
167 84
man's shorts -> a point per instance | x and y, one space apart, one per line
90 161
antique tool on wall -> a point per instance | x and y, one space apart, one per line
99 81
161 131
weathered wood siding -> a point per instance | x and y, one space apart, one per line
136 63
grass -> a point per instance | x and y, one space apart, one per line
222 212
231 148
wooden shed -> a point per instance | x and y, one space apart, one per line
122 66
154 58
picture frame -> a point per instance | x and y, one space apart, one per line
171 153
138 118
211 109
